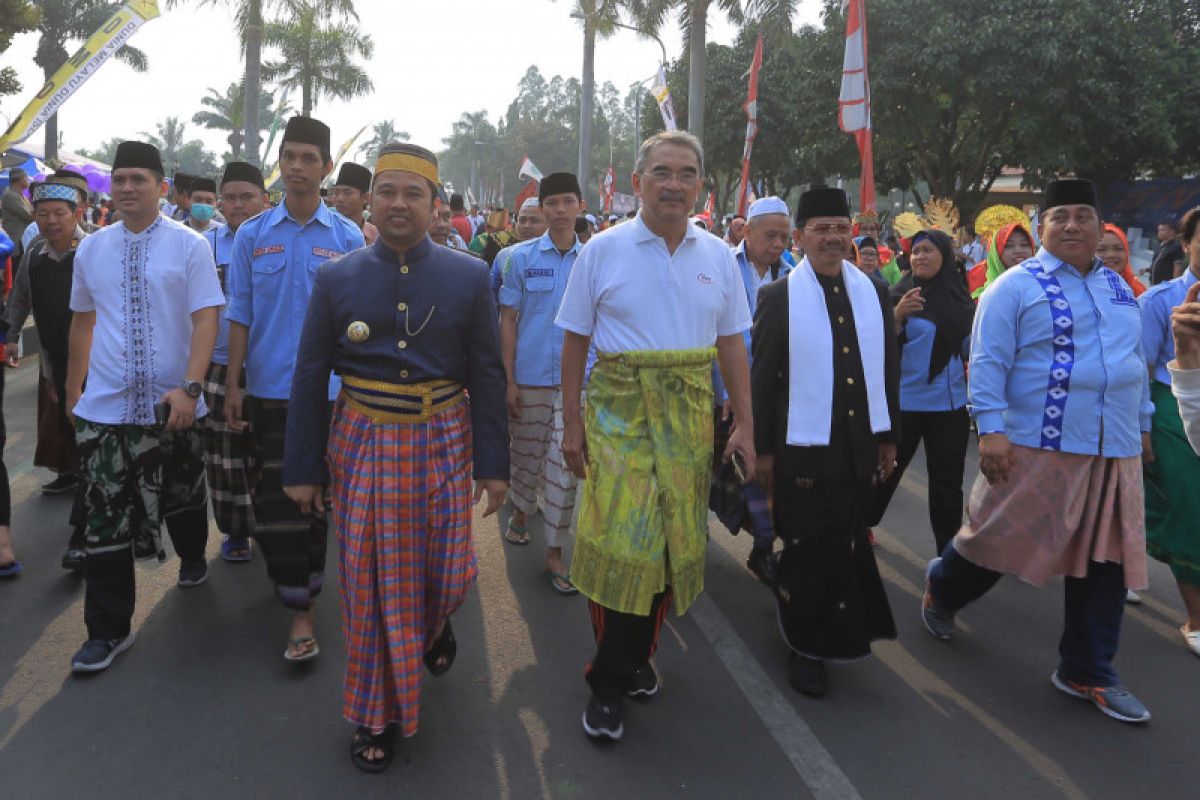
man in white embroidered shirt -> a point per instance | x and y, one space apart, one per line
145 296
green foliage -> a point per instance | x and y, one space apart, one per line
16 16
317 56
179 153
381 134
226 112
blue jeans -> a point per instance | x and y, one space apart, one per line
1092 611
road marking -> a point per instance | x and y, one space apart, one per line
804 750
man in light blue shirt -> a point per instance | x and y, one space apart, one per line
275 260
1059 390
531 345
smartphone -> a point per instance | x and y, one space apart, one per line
162 413
739 467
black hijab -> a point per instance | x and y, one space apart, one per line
948 305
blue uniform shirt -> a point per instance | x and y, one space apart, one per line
1157 304
1056 360
275 260
534 283
752 282
948 390
220 239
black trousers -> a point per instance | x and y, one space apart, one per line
5 495
946 435
111 589
624 644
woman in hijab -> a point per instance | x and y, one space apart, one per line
934 314
1113 250
1007 250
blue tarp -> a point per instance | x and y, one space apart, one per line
1144 204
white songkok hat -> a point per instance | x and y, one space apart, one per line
590 218
767 205
530 202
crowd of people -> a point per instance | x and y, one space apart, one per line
374 361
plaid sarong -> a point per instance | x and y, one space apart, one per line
401 495
135 476
225 460
537 462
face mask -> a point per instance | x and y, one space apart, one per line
203 212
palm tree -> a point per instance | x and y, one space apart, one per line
317 58
249 19
381 134
168 138
64 21
598 18
226 112
693 17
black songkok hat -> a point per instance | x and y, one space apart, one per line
182 182
824 201
203 185
306 130
242 171
1071 192
558 183
356 176
138 154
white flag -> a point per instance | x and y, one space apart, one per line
530 170
662 93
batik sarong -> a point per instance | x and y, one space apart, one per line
55 448
401 496
643 517
537 462
225 460
1172 484
136 476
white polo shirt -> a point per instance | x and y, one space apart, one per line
144 288
628 292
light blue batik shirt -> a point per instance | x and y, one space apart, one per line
1158 346
1056 360
534 281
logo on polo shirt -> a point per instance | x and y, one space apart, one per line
707 281
268 250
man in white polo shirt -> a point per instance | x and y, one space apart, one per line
660 299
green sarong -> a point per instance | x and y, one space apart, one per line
643 516
1172 499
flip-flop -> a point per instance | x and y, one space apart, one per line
557 579
443 647
298 641
11 570
236 549
522 532
364 740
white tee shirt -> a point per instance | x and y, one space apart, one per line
144 288
628 292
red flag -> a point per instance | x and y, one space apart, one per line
751 108
530 190
854 103
710 205
607 184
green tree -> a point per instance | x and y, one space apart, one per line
178 153
226 112
106 152
317 56
64 22
381 134
16 16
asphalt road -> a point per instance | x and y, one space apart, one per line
204 705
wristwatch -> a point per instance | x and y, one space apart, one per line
191 388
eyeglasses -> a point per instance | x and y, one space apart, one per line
840 228
664 175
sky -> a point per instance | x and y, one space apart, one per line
433 61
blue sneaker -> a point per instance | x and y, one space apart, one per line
98 654
1114 701
938 621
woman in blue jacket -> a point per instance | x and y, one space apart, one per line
934 314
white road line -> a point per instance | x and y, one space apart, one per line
812 761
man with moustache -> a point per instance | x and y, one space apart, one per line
275 260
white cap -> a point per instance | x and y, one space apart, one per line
590 218
530 202
767 205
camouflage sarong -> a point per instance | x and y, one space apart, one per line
135 476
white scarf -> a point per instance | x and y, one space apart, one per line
810 353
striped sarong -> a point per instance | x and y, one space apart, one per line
537 462
225 459
401 494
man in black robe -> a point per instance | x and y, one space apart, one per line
824 437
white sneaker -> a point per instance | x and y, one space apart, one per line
1132 597
1191 638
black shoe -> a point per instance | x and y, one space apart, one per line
192 573
74 560
762 563
97 654
807 675
603 720
64 483
645 683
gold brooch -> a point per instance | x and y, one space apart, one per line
358 332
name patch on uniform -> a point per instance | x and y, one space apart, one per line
533 272
325 252
1123 296
268 250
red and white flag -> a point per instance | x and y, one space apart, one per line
607 184
751 108
854 102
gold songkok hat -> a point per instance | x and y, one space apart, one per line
408 158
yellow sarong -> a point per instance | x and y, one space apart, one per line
643 515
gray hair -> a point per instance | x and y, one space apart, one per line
680 138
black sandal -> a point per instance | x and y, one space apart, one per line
365 740
444 647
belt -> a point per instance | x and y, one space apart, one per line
400 402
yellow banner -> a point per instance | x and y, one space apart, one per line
98 49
